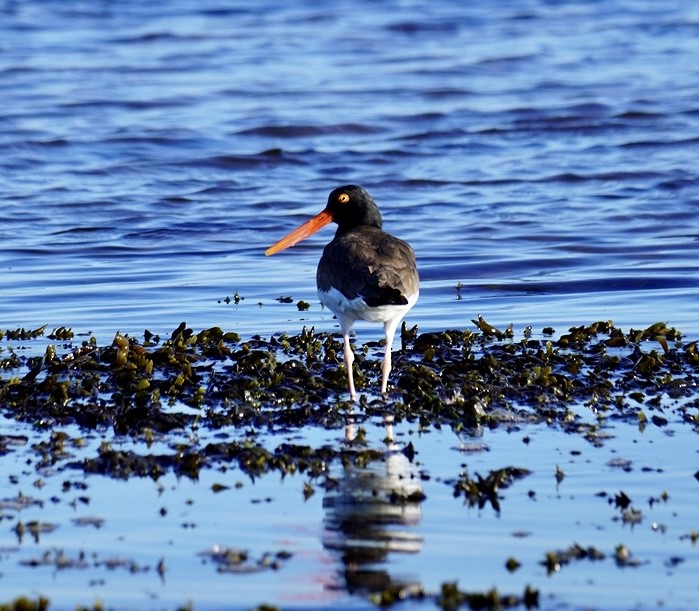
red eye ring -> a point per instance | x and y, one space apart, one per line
343 198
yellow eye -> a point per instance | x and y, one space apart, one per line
343 198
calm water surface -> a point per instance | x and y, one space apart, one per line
540 156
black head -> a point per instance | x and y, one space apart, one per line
351 206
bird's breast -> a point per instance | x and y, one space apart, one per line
348 310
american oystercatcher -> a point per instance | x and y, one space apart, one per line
364 273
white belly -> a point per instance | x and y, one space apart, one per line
349 310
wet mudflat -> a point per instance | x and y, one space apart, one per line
540 469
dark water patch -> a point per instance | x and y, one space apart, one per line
679 184
155 38
128 104
644 115
435 134
505 61
526 115
50 143
430 27
641 282
442 93
620 176
224 11
295 131
662 143
164 138
269 157
78 231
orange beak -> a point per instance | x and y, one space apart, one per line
301 233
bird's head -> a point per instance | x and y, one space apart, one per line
349 206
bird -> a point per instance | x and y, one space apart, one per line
364 272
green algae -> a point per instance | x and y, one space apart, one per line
234 560
557 559
480 490
213 379
26 604
452 597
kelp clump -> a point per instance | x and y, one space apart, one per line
456 377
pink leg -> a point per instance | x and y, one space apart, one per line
349 359
385 369
389 328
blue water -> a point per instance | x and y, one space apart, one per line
540 156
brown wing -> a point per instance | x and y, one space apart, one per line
367 262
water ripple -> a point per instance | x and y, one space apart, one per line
524 152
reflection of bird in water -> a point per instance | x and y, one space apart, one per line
372 513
